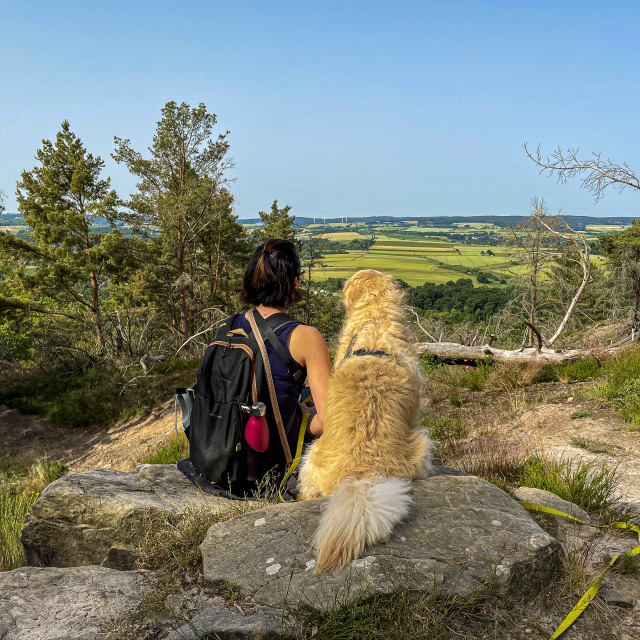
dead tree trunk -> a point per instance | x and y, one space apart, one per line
454 353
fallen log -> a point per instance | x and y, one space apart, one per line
454 353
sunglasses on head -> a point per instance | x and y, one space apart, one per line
301 273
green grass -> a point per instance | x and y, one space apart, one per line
594 446
21 483
471 378
176 449
583 369
589 484
620 384
13 509
581 413
402 615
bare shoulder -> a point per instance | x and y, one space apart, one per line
305 332
307 343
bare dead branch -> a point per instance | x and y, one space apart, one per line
421 327
598 174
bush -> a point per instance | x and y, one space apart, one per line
100 396
587 484
444 428
621 385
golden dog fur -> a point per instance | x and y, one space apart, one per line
372 443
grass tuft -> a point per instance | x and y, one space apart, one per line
13 509
594 446
176 449
402 615
588 484
21 483
580 413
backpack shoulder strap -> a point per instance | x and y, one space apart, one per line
268 333
252 317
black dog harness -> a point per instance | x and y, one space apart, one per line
363 352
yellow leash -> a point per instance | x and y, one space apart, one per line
586 599
294 464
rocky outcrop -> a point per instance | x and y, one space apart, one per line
257 623
461 533
73 603
91 518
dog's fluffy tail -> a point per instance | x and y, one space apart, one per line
360 512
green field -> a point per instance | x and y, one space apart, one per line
414 261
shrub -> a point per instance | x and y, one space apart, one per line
99 396
582 369
587 484
445 428
621 384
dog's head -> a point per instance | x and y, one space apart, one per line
370 288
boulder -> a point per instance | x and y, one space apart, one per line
461 533
70 604
257 623
90 518
548 499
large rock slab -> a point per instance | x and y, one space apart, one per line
260 623
460 533
89 518
66 604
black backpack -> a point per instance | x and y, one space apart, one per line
231 379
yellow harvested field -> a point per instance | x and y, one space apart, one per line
425 249
339 234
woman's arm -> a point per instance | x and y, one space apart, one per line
307 346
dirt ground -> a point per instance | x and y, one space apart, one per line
119 447
539 419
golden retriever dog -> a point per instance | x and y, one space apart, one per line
372 444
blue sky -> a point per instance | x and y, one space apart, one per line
338 108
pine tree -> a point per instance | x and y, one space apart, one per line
277 224
180 193
622 250
61 200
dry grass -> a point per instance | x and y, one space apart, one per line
490 456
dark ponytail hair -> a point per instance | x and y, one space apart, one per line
270 275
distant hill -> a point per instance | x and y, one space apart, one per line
577 222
